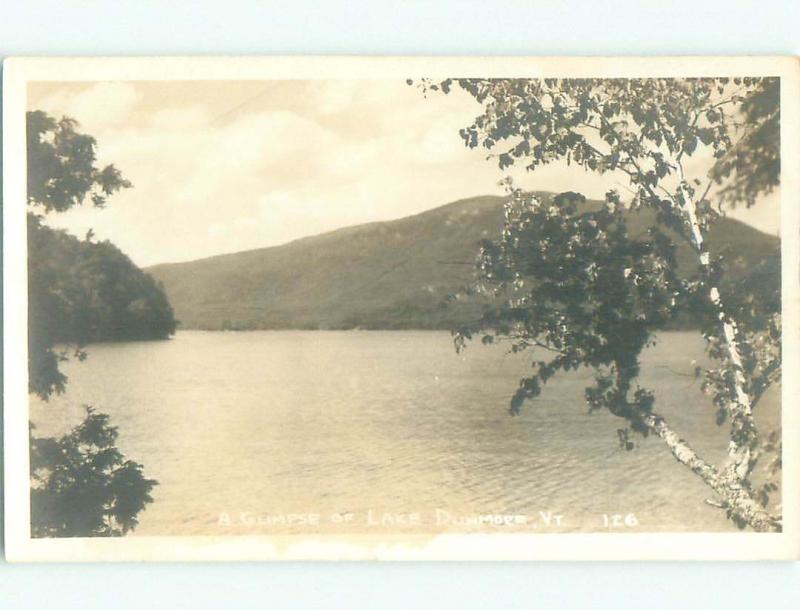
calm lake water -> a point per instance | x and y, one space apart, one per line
257 432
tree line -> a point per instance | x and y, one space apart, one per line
79 292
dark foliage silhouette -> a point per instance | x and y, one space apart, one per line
79 292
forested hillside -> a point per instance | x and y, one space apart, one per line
388 275
91 291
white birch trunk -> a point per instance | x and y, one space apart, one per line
735 496
741 458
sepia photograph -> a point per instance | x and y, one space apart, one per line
401 308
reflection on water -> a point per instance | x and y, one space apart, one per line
300 431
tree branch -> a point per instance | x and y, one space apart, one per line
736 497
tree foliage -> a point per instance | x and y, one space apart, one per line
579 308
82 485
62 169
579 287
79 292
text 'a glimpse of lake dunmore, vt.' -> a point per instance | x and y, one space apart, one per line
401 308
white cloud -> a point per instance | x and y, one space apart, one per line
335 96
97 108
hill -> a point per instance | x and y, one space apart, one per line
82 292
86 292
383 275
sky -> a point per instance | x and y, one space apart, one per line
225 166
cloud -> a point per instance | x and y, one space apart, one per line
333 97
99 107
198 186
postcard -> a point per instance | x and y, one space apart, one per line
401 308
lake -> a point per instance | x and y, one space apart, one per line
298 431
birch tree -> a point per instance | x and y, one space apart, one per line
574 283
